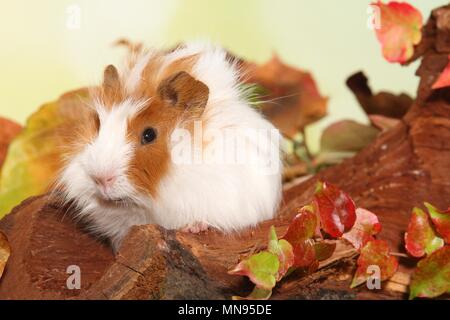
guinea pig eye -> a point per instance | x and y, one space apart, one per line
148 136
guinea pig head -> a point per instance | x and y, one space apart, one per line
179 98
128 150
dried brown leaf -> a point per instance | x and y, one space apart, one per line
5 251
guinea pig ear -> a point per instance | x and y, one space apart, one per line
111 83
182 90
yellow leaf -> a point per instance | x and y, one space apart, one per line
32 161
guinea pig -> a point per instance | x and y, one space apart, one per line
172 140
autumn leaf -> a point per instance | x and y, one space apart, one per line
304 254
432 275
336 209
302 227
324 250
5 251
283 250
421 238
365 227
261 269
256 294
374 253
441 221
347 136
298 101
32 162
444 78
399 31
299 234
8 131
342 140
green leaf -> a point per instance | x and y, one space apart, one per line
283 250
441 220
261 269
421 238
432 275
256 294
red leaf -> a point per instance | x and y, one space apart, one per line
441 219
299 234
304 253
399 31
302 227
365 227
374 253
336 209
444 79
421 238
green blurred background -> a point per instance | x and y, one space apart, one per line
50 47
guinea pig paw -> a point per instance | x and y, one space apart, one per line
196 227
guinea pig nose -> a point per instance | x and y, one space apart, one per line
104 180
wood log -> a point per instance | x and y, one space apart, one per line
404 167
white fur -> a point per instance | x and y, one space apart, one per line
228 197
134 75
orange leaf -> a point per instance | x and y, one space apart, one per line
444 79
400 30
374 253
5 251
8 131
292 99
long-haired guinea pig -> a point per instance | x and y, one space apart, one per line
172 140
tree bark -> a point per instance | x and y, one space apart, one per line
404 167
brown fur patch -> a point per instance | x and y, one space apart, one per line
153 74
178 98
76 133
112 88
151 161
79 126
111 91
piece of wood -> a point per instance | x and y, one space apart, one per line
44 243
404 167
